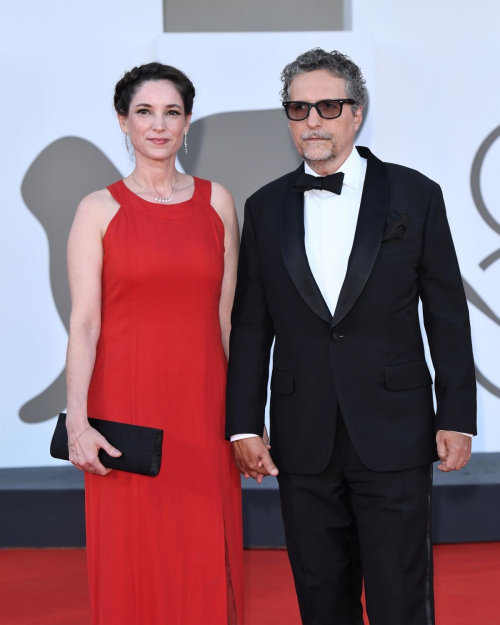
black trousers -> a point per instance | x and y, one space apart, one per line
348 524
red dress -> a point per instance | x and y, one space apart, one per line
166 549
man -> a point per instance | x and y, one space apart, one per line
334 259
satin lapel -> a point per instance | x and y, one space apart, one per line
368 236
294 250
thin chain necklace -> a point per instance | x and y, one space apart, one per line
162 200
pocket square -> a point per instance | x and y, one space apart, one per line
396 227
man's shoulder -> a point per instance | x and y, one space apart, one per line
407 175
271 190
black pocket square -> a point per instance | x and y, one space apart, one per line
396 227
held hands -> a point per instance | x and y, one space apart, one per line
252 458
86 442
454 449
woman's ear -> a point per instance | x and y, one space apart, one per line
122 120
188 122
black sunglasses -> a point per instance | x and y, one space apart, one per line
327 109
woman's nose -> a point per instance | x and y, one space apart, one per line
158 122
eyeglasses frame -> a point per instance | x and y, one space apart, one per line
310 105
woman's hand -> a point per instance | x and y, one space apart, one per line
83 451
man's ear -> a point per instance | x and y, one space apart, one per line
358 118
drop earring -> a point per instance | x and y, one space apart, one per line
186 142
130 148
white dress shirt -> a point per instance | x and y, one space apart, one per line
330 224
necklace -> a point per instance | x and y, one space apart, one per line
162 200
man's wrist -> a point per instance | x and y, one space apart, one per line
239 437
464 433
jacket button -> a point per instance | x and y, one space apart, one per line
335 336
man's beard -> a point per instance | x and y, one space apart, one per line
313 154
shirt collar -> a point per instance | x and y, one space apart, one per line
351 168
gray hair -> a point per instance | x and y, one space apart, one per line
337 64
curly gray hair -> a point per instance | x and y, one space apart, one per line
336 63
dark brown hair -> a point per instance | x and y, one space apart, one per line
128 85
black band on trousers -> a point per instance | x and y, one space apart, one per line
347 523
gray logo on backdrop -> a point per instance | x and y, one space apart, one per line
61 175
241 150
473 297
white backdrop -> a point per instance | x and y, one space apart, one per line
432 68
60 61
438 88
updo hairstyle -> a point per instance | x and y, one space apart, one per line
128 86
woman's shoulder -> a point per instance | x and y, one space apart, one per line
222 201
98 199
220 193
97 207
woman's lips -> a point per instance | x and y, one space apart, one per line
158 141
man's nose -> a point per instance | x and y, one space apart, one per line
314 120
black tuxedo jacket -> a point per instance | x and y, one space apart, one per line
368 360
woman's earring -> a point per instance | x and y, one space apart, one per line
129 147
186 142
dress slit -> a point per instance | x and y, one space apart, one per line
232 614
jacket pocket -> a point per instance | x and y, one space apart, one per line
410 375
282 382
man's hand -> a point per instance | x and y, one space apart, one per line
252 458
454 449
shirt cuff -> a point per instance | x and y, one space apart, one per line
464 433
239 437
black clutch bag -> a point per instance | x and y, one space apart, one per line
140 445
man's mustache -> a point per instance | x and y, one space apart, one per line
316 135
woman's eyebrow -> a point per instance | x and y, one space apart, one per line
144 104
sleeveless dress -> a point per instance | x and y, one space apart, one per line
165 550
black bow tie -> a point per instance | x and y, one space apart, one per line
332 183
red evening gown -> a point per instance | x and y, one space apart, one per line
165 550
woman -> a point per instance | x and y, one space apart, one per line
152 267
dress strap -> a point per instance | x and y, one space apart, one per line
116 190
204 188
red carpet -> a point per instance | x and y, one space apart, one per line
49 587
